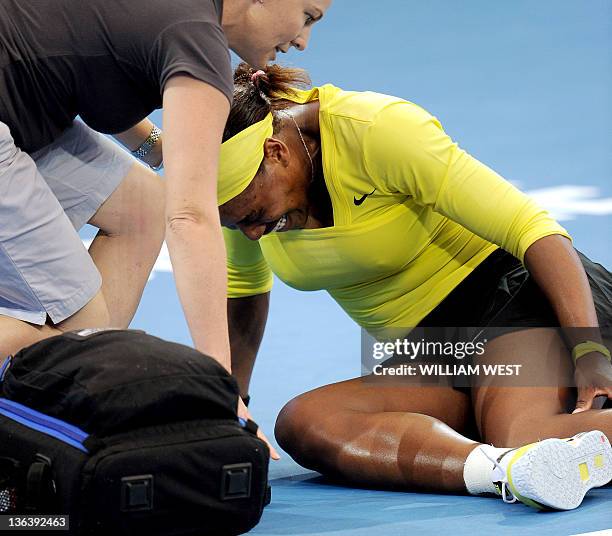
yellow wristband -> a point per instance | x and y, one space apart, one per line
587 347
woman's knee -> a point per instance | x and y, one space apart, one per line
301 428
286 429
135 208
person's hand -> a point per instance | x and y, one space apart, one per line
593 377
243 413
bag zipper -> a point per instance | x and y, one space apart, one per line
67 433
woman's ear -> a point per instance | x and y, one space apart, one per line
276 151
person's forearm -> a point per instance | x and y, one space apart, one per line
195 114
558 271
247 321
135 136
201 279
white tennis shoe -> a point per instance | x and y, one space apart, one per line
554 473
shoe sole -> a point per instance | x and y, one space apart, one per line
557 473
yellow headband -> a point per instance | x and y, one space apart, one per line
240 159
242 154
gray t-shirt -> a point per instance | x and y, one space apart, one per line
105 60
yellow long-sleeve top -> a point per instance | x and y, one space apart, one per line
434 214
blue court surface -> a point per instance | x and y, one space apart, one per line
526 87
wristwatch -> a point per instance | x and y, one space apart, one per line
147 145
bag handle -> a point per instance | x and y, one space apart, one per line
40 486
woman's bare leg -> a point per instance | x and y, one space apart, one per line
131 223
514 416
132 227
17 334
381 435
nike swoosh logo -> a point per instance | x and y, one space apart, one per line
362 198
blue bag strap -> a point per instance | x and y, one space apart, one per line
45 424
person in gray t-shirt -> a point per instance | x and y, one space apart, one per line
112 62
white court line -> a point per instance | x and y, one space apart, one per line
605 532
567 201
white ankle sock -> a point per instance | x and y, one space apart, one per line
478 470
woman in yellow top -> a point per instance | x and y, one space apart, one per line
365 196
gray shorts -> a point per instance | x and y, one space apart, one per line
45 198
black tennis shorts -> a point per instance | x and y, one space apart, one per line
501 293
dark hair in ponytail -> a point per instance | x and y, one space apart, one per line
254 100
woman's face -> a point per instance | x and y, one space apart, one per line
274 26
277 198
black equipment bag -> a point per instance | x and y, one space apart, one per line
128 435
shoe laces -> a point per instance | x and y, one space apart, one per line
506 493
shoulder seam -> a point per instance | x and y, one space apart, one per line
170 26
